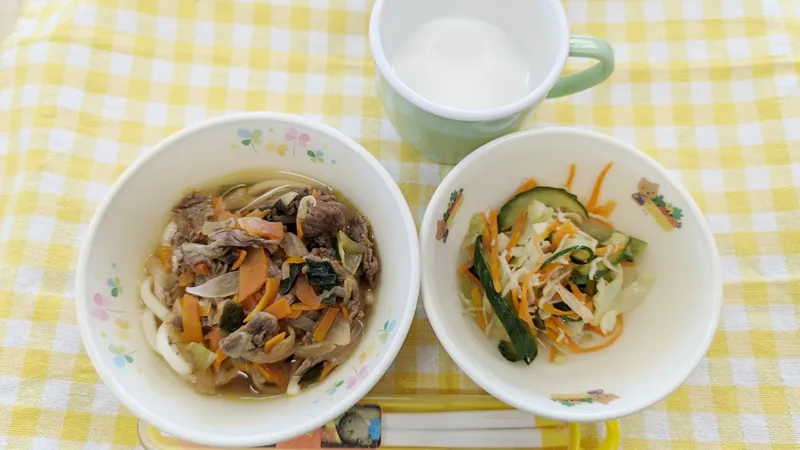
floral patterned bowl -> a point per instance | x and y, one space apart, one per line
664 338
130 219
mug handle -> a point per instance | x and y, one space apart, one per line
586 47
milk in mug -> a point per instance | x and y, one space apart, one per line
463 63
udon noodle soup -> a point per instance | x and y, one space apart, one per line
259 288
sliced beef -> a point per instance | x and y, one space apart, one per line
190 215
287 213
359 230
244 341
237 238
324 219
322 254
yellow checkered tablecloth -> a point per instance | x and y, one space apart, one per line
709 88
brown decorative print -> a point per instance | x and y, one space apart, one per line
443 224
667 215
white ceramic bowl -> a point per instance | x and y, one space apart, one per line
127 226
664 338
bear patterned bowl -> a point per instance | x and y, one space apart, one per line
132 216
664 338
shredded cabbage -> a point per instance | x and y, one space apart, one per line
605 299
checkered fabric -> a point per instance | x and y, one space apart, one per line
709 88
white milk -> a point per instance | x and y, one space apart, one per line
463 63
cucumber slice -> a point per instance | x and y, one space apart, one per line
586 254
634 250
584 249
621 241
550 196
597 229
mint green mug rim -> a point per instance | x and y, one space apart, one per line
578 46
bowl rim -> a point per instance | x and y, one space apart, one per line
478 373
405 314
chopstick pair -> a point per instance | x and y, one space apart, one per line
366 426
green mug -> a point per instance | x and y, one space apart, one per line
446 135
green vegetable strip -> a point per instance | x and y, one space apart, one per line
521 339
563 252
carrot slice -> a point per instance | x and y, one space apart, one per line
516 233
606 209
611 339
257 213
186 278
164 254
273 373
214 339
571 176
325 324
270 291
239 259
261 228
252 272
477 302
526 185
273 341
295 314
597 185
192 329
279 309
305 293
303 307
327 368
345 313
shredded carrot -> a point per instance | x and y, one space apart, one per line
299 224
515 298
280 309
239 259
327 368
575 290
261 228
551 334
464 268
597 185
273 341
477 301
570 343
566 229
516 233
526 185
595 329
474 280
571 176
201 269
526 282
550 269
553 310
603 250
552 227
486 239
611 339
553 351
192 329
186 278
606 209
346 313
305 293
325 324
252 272
295 260
164 254
627 264
525 315
270 292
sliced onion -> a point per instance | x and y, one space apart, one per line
341 354
339 333
293 245
168 233
151 301
265 197
221 286
149 327
287 197
264 186
236 197
302 323
306 203
294 386
316 350
169 353
210 228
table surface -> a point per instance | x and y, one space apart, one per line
709 89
